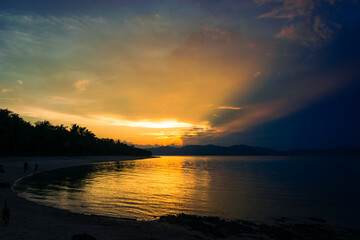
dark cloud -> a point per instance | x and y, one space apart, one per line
307 21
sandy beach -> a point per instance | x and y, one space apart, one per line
29 220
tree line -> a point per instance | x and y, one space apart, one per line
21 138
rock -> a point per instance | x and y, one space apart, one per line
82 236
4 185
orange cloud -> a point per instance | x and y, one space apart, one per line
5 90
288 33
81 85
257 74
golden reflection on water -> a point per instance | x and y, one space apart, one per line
149 188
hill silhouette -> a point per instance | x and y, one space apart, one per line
212 150
244 150
21 138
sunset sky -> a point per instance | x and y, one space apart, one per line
274 73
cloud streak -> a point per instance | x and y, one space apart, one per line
229 108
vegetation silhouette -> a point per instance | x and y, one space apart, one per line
20 138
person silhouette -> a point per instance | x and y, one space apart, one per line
36 167
26 166
6 214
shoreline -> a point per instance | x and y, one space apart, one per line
80 161
31 220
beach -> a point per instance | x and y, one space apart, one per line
30 220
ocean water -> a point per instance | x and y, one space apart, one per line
231 187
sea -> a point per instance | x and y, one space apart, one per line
257 188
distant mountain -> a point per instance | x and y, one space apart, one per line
213 150
244 150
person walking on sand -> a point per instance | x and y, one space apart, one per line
25 166
36 167
6 214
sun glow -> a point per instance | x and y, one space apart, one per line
144 87
166 123
148 124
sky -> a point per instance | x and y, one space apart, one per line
272 73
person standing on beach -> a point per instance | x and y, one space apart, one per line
25 166
36 167
6 214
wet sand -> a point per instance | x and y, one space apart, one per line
29 220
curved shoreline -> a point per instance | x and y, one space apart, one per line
114 158
31 220
13 186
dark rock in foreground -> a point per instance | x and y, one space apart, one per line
82 236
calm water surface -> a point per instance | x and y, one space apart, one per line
255 188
